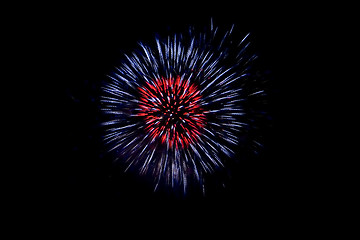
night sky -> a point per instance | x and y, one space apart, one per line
78 179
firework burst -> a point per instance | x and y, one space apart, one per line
175 109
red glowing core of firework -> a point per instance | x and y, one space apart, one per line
171 108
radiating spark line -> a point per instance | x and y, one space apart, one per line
176 107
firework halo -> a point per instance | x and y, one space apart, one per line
178 110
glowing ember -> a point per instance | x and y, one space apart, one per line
171 110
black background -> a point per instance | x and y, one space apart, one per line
77 183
